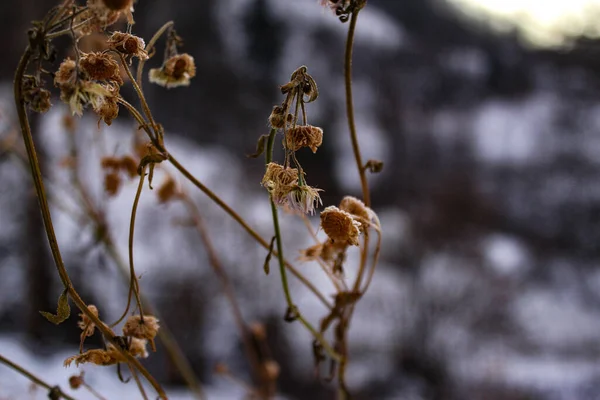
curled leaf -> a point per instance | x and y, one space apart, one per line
268 258
62 311
260 146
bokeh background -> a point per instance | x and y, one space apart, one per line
486 114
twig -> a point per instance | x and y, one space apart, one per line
33 378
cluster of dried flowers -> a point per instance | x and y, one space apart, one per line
286 184
137 332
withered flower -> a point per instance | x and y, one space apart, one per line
107 12
167 191
176 71
94 356
101 67
304 136
128 45
279 181
66 74
146 328
86 325
340 226
112 183
137 347
276 119
76 381
304 198
359 211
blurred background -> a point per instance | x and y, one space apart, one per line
486 114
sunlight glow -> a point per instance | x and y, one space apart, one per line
542 23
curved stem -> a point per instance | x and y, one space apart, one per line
48 225
149 47
32 377
284 283
350 109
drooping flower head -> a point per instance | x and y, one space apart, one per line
304 136
304 199
176 71
340 226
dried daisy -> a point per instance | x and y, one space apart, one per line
128 45
101 67
304 199
145 328
304 136
279 181
94 356
340 226
176 71
108 110
359 211
37 97
87 325
82 94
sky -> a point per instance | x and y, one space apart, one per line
541 22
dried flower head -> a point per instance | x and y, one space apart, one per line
304 199
108 110
66 74
101 67
76 381
359 211
304 136
112 183
340 226
94 356
327 251
128 45
137 347
129 165
167 191
87 325
107 12
145 328
279 181
276 119
36 97
176 71
82 94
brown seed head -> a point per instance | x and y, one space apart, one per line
128 164
304 136
340 226
358 210
142 329
137 347
176 71
76 381
86 324
167 191
128 44
66 73
279 181
112 183
101 67
304 199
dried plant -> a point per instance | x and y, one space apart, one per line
93 81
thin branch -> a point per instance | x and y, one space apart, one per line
33 378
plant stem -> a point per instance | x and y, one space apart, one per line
350 108
48 225
32 377
284 281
